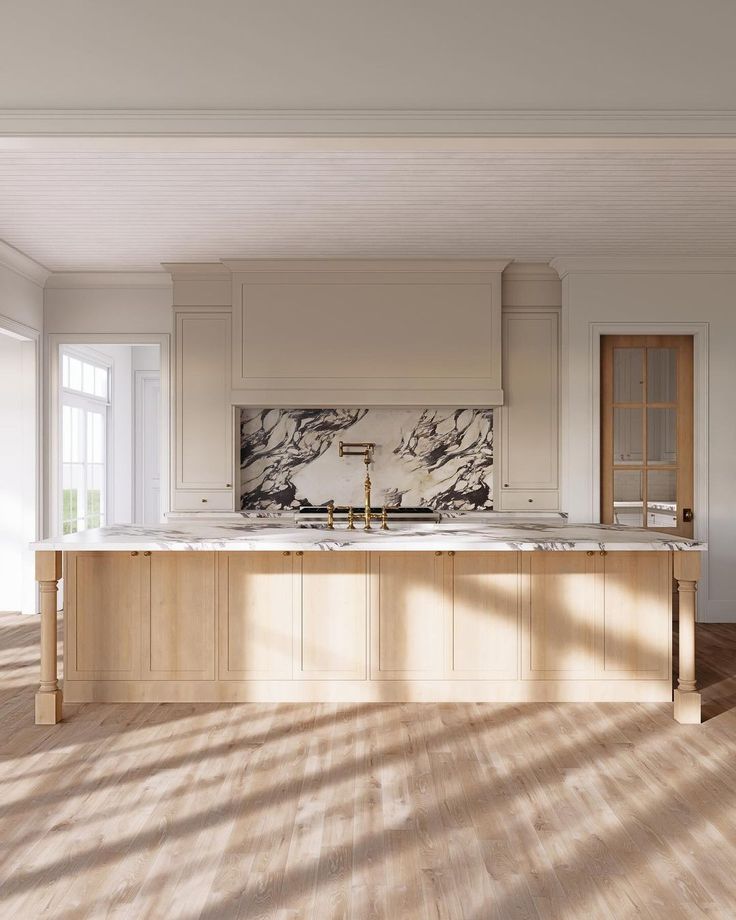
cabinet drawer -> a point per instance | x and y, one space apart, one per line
220 500
523 500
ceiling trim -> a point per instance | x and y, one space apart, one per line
23 265
107 280
567 265
368 122
362 265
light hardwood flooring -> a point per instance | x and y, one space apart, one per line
391 811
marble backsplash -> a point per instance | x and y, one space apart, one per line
437 458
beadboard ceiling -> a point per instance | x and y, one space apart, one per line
131 211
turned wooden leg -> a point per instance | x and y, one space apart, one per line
48 696
687 699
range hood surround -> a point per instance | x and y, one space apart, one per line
366 333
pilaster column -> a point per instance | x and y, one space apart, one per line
687 699
48 696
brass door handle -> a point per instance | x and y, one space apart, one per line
687 515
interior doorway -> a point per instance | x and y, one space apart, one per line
19 479
109 433
647 432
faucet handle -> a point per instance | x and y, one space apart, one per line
384 518
351 518
331 516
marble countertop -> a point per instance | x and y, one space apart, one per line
459 533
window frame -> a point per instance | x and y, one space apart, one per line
68 396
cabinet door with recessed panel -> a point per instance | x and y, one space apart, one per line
331 609
483 595
407 615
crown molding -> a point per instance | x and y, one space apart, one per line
201 271
363 265
530 271
21 264
586 265
367 122
107 280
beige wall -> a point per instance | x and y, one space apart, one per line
679 292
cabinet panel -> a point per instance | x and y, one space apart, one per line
529 418
407 615
635 619
444 346
483 595
203 414
332 612
559 615
179 620
513 500
103 604
255 615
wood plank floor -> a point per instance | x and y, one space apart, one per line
392 811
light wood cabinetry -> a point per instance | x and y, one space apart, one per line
529 436
559 615
256 615
403 333
178 623
362 626
482 592
331 592
204 420
102 605
634 615
407 615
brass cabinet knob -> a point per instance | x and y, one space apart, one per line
228 485
604 552
299 553
147 552
451 553
204 500
286 553
438 552
590 553
134 553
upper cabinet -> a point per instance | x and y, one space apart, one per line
529 441
366 333
202 444
204 423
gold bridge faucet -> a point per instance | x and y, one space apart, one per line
365 450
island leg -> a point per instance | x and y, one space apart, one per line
687 699
48 696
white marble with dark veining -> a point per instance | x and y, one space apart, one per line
437 458
462 533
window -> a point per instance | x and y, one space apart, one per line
84 406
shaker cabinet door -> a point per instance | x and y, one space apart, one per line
103 604
407 615
178 641
255 620
203 440
483 594
331 593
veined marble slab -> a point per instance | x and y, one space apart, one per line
459 534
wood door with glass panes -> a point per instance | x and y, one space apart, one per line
647 432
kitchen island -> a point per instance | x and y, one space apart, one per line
260 609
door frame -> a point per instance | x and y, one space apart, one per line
35 433
53 342
140 379
699 332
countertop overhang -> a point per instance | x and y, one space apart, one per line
458 534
